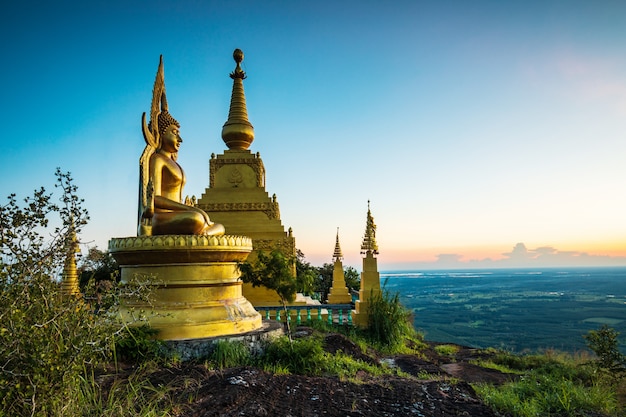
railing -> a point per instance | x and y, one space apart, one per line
343 312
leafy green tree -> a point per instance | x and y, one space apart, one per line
272 271
324 280
603 342
99 266
305 274
99 275
353 278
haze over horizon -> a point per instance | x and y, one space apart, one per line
483 133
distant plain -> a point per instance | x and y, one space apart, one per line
521 310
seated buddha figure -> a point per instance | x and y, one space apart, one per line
161 207
171 216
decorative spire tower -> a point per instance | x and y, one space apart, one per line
370 278
238 132
369 244
69 280
236 195
337 255
339 293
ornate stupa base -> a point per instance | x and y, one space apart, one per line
196 291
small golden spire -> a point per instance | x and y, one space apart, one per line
69 280
337 255
238 132
369 240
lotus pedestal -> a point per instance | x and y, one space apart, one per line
194 281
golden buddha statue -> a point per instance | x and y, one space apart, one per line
161 207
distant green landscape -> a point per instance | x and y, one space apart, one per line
517 310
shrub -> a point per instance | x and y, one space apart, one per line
389 322
49 341
137 343
603 342
46 339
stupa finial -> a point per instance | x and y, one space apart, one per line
369 244
238 132
337 255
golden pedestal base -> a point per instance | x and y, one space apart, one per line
195 282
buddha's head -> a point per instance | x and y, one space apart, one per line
169 132
170 139
165 121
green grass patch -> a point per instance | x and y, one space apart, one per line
226 354
553 383
447 350
542 395
496 366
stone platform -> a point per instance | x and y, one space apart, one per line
191 349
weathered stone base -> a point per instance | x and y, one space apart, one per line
191 349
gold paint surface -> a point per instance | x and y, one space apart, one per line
370 286
195 284
161 208
339 293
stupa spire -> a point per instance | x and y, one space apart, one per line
369 239
238 132
69 277
337 254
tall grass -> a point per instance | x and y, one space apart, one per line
135 395
302 356
227 354
389 322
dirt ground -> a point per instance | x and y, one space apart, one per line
438 386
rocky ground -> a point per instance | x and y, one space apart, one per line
439 386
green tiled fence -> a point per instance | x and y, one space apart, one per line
335 313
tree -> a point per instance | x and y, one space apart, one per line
324 280
603 342
272 271
305 274
99 274
99 266
353 278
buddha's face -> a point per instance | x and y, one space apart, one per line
171 140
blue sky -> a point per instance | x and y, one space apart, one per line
471 126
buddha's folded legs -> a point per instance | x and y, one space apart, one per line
183 223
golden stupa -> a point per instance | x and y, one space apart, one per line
370 278
339 293
236 196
